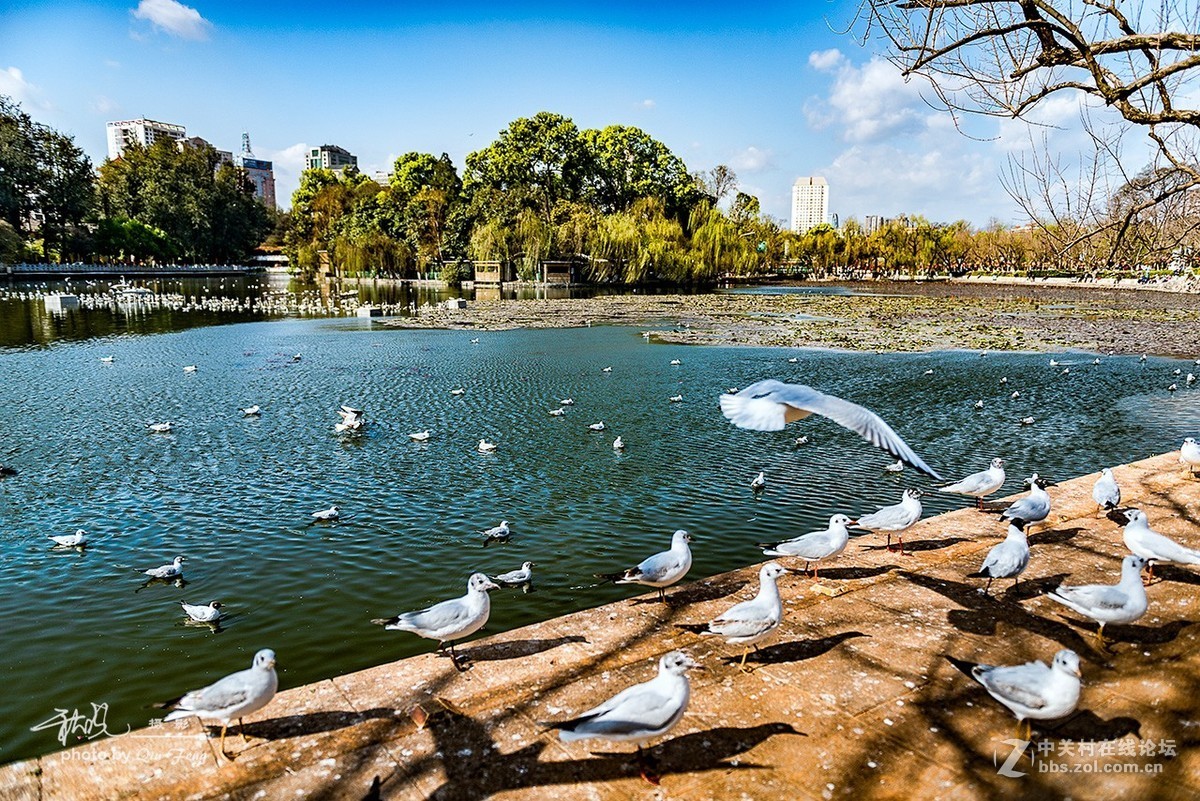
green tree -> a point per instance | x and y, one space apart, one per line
627 164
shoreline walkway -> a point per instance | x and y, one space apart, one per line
852 698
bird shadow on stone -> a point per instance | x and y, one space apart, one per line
795 650
1031 588
694 594
516 649
847 573
1087 726
918 546
475 767
1132 633
981 614
282 728
1055 536
1178 575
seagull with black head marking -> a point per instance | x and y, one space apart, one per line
770 405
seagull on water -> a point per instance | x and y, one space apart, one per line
770 405
1028 421
191 368
567 402
895 467
597 426
326 515
660 570
1123 602
107 359
1147 543
515 578
457 391
895 519
1014 395
815 545
637 714
208 613
251 411
76 540
500 533
448 620
978 404
419 436
979 485
173 570
760 482
675 362
352 419
234 696
485 447
557 412
750 622
1008 559
676 399
1106 493
1031 691
160 428
606 370
618 444
1034 507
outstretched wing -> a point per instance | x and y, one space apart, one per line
770 405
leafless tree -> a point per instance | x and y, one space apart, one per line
1005 58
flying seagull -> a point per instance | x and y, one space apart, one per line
770 405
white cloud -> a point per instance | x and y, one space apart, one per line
288 163
825 60
752 160
105 105
174 18
13 84
648 103
874 102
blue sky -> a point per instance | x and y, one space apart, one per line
771 88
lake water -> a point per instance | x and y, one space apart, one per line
234 494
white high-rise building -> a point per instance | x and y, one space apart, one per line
144 132
810 203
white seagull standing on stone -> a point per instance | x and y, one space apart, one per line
1189 454
1106 492
448 620
1008 559
981 484
1147 543
637 714
815 545
1031 691
660 570
895 519
233 697
750 622
1123 602
770 405
1034 507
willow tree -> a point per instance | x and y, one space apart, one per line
1008 58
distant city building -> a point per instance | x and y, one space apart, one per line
810 203
383 178
223 156
260 172
331 157
144 132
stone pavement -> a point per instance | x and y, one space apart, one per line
852 698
